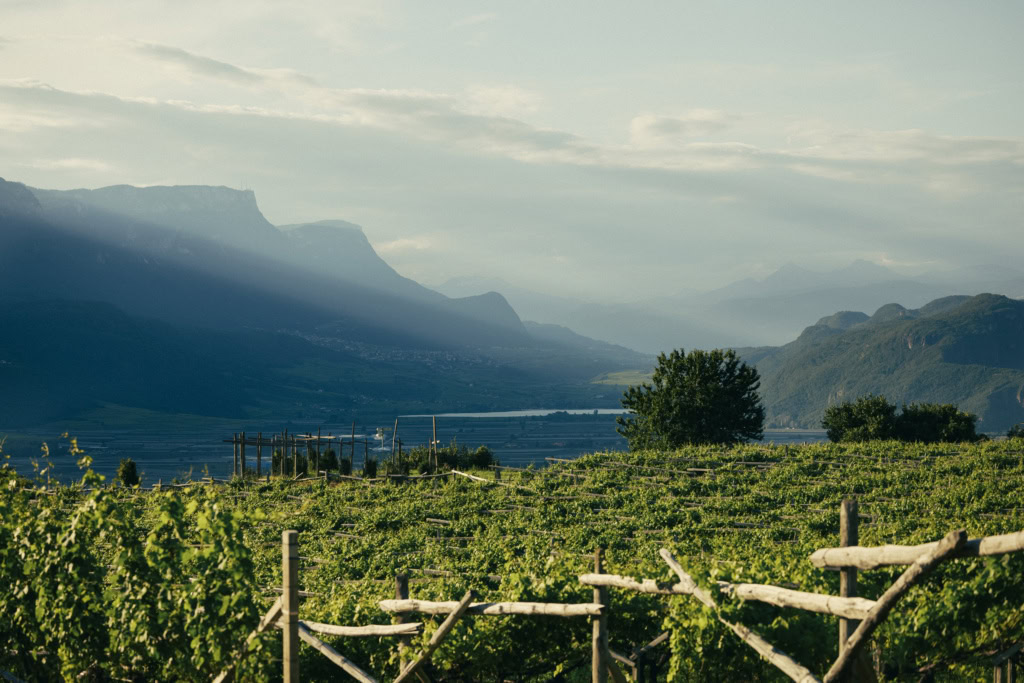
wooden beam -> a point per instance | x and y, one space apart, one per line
412 628
856 608
892 555
947 547
443 630
553 609
335 656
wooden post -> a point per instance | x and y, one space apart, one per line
433 442
401 593
290 608
234 455
316 470
352 456
599 653
1005 672
295 458
259 454
241 456
847 575
394 437
497 474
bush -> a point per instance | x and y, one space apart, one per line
482 458
1016 431
369 468
873 417
932 422
329 461
453 456
128 473
345 466
869 417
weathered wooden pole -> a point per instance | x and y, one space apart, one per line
241 456
352 455
295 457
234 455
394 437
599 641
401 593
433 441
259 454
290 608
316 469
847 575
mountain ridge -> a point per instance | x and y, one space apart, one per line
963 350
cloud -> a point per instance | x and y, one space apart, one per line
907 145
651 130
405 244
213 68
474 20
502 100
71 163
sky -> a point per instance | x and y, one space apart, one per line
598 149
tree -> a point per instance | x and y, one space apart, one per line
127 473
701 397
873 417
1016 431
932 422
869 417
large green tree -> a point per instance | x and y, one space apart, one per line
701 397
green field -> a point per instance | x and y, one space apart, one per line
746 514
625 378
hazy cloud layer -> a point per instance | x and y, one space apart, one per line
474 143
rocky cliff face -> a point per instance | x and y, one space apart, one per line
215 213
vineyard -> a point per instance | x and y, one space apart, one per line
108 583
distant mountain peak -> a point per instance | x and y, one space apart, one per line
212 212
17 199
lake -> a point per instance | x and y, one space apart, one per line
518 438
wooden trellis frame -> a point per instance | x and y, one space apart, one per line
851 609
862 616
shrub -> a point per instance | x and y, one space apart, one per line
128 473
329 460
932 422
869 417
1016 431
482 458
873 417
369 468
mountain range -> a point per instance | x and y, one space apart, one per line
751 312
958 349
196 296
186 300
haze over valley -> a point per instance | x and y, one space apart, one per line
381 209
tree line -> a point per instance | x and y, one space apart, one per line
711 397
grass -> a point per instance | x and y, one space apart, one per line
623 378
